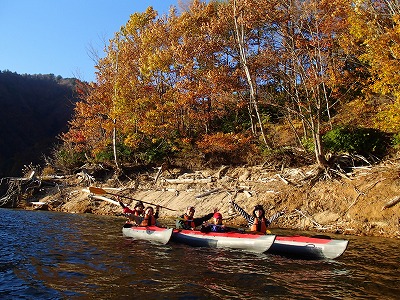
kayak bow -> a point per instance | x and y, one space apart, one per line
148 233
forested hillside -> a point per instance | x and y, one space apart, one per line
35 109
243 81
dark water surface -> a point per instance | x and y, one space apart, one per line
47 255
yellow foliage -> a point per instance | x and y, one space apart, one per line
133 141
389 118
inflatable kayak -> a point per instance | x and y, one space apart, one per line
308 247
148 233
233 240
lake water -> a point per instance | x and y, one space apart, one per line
47 255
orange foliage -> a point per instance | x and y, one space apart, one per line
179 77
223 143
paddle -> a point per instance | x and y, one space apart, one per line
100 191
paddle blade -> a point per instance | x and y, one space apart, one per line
96 190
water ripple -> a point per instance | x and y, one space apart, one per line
62 256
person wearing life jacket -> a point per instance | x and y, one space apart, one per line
257 221
134 215
260 223
150 218
188 221
217 226
138 210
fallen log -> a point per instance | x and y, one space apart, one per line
100 197
208 193
105 199
391 202
189 180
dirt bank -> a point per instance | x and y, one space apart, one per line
349 205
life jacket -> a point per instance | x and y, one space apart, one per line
148 221
218 228
259 225
189 222
138 214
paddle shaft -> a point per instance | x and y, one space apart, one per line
100 191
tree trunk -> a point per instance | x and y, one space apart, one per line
239 33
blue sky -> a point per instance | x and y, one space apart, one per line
59 36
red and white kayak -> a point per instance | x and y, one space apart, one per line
148 233
308 247
234 240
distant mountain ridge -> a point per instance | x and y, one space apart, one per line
34 110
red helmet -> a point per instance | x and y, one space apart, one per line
217 215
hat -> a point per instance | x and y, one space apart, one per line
191 208
139 203
217 215
258 207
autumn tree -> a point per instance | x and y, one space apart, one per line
375 28
310 63
188 78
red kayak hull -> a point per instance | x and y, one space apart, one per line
308 247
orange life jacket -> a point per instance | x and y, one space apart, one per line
259 225
189 222
148 221
136 213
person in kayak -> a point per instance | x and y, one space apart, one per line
187 220
150 218
138 210
134 215
257 221
216 227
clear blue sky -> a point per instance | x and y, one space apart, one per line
58 36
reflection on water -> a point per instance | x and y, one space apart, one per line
48 255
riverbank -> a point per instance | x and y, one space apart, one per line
353 204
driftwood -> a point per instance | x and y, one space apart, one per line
104 199
39 205
221 171
15 188
208 193
391 202
283 179
98 197
196 177
164 167
189 180
85 177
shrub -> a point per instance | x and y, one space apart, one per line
355 140
225 147
156 153
396 141
107 155
308 144
66 158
